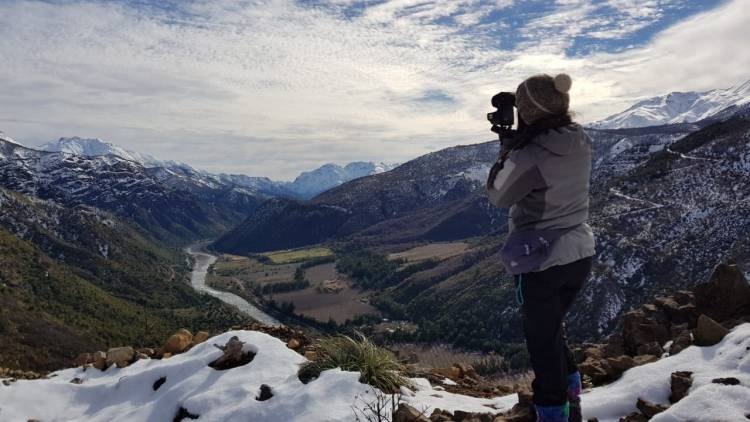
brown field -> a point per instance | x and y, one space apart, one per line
340 306
432 250
311 302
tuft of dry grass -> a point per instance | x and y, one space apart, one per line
377 366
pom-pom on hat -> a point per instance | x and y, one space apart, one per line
543 95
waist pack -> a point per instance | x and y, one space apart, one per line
525 251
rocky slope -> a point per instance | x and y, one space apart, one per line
678 107
428 197
172 207
76 278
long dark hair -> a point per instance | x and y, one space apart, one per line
524 135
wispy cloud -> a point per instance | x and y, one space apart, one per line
274 87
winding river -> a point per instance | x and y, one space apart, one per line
203 260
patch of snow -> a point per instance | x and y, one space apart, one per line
706 401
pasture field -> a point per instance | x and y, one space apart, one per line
331 295
297 255
431 251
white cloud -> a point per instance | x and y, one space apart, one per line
272 87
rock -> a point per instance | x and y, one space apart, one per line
120 356
708 332
688 314
452 372
621 363
76 380
233 356
200 337
441 416
166 355
726 381
146 351
597 370
648 408
406 413
681 342
614 345
99 360
293 344
681 382
82 359
634 417
140 356
652 348
684 297
311 355
644 359
638 329
178 342
265 393
726 295
465 370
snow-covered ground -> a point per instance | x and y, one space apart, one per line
127 394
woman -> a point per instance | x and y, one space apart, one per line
543 177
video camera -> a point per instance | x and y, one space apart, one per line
502 119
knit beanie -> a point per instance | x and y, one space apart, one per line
543 95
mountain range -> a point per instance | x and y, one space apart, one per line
677 107
668 203
304 186
93 223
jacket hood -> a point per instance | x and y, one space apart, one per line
562 141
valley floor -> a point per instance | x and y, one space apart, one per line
156 390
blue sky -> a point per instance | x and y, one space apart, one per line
279 86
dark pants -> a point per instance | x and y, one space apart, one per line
547 297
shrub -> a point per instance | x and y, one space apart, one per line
377 366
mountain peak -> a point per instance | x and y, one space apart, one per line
677 107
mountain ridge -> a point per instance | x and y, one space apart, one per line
677 107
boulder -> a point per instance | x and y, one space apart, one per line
634 417
680 384
681 342
644 359
120 356
639 329
99 360
621 363
200 337
406 413
146 351
597 370
178 342
708 332
726 295
648 408
652 348
293 344
166 355
83 359
441 416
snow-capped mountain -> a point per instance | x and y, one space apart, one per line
93 147
163 201
677 107
311 183
305 186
